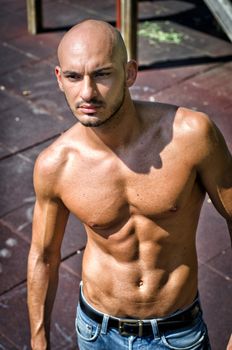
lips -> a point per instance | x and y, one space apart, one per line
88 108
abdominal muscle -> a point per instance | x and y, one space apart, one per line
139 278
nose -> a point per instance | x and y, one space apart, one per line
88 89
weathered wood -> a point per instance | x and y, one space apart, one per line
129 26
222 10
34 16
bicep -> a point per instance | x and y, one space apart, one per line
50 214
215 171
49 222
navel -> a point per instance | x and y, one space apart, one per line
174 208
140 283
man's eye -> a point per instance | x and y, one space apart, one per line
102 74
73 77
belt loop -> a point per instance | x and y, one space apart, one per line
104 326
155 328
80 288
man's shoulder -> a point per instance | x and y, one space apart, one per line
52 162
58 152
51 158
192 122
196 132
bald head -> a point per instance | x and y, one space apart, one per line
96 35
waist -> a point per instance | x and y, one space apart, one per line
144 327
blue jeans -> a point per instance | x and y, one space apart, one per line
94 336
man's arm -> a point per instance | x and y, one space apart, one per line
215 170
50 218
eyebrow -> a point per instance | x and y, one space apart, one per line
98 70
69 72
109 67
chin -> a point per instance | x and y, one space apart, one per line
90 121
93 120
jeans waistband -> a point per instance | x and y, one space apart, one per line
137 327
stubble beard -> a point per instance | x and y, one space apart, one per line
97 123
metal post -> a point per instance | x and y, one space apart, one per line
34 16
118 14
129 10
222 10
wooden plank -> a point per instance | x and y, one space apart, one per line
129 26
222 10
34 16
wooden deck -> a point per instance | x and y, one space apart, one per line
192 68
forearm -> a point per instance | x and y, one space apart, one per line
42 286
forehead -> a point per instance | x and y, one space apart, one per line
89 51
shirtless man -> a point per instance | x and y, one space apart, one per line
135 174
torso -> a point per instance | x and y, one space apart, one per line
140 207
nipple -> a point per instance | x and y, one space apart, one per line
92 224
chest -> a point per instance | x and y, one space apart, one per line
105 193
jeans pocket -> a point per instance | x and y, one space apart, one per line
86 329
188 338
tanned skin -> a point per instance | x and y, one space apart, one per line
135 174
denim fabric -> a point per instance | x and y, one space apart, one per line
94 336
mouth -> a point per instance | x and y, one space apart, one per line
89 108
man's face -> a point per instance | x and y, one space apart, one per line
93 82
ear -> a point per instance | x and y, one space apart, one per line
58 77
131 72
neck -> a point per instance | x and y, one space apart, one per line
120 131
